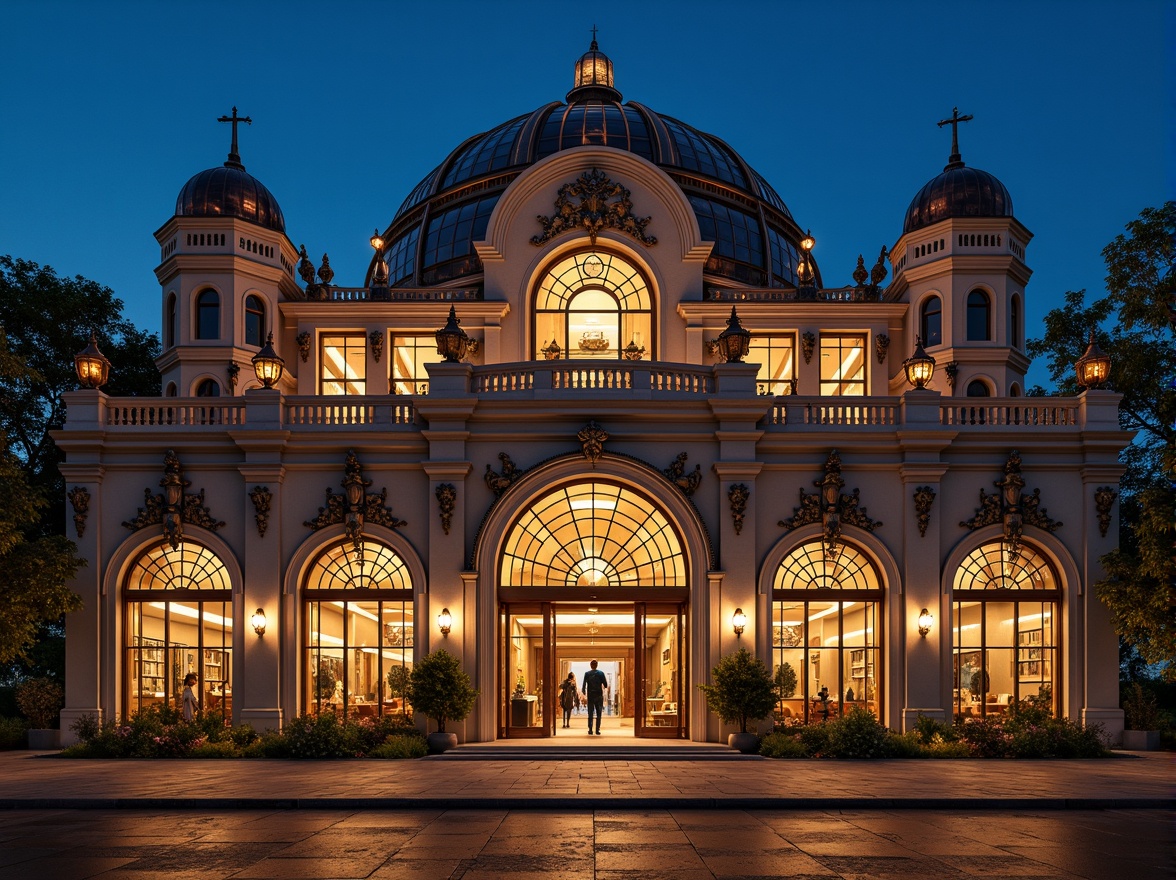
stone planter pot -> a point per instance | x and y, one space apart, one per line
441 742
46 740
1133 740
747 743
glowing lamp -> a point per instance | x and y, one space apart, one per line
257 621
267 366
445 621
92 367
734 343
1094 366
738 622
920 366
925 621
452 341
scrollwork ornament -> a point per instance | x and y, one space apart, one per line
1104 500
592 438
261 498
881 343
499 482
602 204
830 507
355 506
79 499
924 498
808 341
376 338
738 495
1011 507
447 502
303 339
173 507
687 482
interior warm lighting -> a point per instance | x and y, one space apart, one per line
257 621
186 611
925 621
445 621
738 621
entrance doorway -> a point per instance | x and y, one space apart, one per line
640 647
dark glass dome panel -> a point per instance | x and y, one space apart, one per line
230 192
784 257
736 235
402 257
697 153
770 195
594 122
958 192
490 152
419 192
451 234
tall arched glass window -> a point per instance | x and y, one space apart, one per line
1005 629
977 388
169 322
931 321
208 388
179 620
358 631
254 320
827 632
593 305
594 535
208 315
979 317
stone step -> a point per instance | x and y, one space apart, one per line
602 752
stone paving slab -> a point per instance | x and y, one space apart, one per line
1138 780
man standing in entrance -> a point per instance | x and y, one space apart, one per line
595 684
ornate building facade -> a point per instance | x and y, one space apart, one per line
655 437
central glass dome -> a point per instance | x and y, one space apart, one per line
432 235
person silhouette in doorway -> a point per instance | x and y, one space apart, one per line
569 698
595 684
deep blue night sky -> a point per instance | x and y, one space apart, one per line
110 108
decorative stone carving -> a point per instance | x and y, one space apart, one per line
303 340
173 508
305 267
881 343
500 482
356 506
592 438
738 495
261 497
676 473
1104 500
79 499
594 212
830 507
1011 507
951 369
447 501
860 275
924 498
878 273
325 273
377 340
808 341
233 371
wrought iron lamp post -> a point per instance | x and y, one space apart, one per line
1094 366
91 365
919 367
734 343
267 366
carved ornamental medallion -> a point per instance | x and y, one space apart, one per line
602 204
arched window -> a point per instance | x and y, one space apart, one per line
254 320
977 388
1005 629
931 321
171 390
979 311
208 388
593 305
594 535
827 630
358 631
1014 390
169 322
208 315
1015 322
179 620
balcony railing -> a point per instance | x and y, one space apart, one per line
632 379
174 412
1010 411
349 412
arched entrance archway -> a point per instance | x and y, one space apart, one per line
587 565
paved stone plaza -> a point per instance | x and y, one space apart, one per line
714 816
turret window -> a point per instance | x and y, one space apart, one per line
254 320
979 317
208 388
1015 322
977 388
931 321
208 315
169 322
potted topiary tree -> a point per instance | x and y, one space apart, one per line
1141 713
40 700
785 683
742 691
440 689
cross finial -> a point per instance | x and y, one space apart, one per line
954 160
594 46
234 157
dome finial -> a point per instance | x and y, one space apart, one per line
954 160
594 76
235 158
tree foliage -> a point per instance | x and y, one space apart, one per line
440 689
742 689
1135 323
48 319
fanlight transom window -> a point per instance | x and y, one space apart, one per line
994 567
809 567
188 567
375 567
593 535
593 305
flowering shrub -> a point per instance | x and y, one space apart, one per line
858 734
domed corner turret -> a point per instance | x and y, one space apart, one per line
958 191
593 79
230 191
